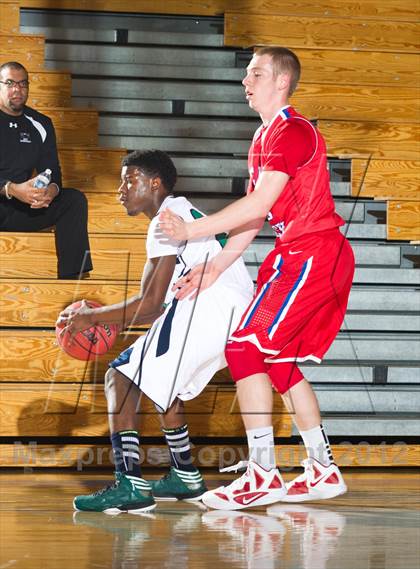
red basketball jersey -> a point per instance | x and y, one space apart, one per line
291 144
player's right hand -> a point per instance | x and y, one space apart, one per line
198 279
74 321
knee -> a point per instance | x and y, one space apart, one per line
285 375
75 198
244 359
110 380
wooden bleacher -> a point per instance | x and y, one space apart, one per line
335 101
80 411
385 178
93 169
361 68
403 219
48 88
369 9
33 302
243 29
9 17
73 126
375 139
353 94
28 50
115 257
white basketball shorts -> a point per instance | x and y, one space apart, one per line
185 346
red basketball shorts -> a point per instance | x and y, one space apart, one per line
245 359
301 299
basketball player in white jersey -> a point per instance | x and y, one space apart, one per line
179 355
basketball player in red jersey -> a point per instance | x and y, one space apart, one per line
302 287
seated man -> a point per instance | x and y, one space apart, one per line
181 352
28 144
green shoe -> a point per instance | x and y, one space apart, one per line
127 494
179 485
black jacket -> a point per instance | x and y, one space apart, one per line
27 146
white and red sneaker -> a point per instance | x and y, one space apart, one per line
317 482
257 487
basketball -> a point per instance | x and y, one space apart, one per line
89 343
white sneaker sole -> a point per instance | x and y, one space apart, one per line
114 511
212 501
174 499
314 496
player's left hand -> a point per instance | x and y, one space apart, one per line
173 226
74 321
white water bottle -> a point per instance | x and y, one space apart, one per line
43 179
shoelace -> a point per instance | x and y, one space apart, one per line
166 477
107 488
239 482
235 467
309 470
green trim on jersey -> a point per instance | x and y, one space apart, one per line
220 237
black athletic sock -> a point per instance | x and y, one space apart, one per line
126 449
179 445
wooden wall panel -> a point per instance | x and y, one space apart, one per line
107 215
114 257
34 356
403 220
9 17
358 103
49 89
385 178
91 169
377 140
35 303
191 7
384 9
68 410
366 9
27 49
74 126
323 33
340 67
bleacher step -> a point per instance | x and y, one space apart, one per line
122 54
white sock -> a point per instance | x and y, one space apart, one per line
317 445
261 447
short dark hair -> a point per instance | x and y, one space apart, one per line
13 65
155 164
284 61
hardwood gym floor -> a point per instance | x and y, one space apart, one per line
374 526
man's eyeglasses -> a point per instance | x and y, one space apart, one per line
10 84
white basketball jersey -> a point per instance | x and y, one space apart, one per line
193 252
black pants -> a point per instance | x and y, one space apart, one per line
68 212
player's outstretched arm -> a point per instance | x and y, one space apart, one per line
253 207
204 275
